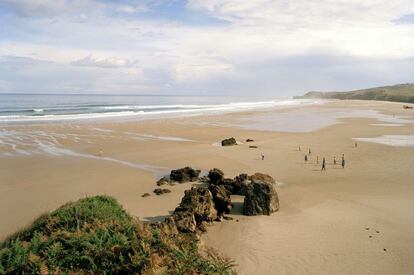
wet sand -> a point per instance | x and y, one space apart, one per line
326 218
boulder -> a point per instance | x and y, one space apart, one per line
253 146
241 184
145 195
262 177
184 174
221 198
196 206
160 191
249 140
229 142
261 199
215 175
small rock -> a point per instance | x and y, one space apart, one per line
229 142
162 181
237 220
253 146
145 195
227 218
249 140
370 236
384 249
184 174
160 191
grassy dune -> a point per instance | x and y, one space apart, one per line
398 93
96 235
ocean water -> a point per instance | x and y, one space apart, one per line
42 107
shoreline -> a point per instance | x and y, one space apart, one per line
322 216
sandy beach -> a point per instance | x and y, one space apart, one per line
356 220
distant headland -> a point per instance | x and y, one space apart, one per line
397 93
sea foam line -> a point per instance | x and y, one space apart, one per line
170 110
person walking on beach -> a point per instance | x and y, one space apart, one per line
356 144
262 157
306 158
310 151
323 164
343 163
299 147
334 160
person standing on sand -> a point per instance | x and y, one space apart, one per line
262 157
323 164
356 144
306 158
299 147
343 163
310 151
334 160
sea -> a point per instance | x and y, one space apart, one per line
55 107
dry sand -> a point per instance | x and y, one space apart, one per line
357 220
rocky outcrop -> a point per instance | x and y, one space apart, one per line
262 177
197 207
184 174
261 199
229 142
215 175
221 198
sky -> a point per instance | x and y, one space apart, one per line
277 48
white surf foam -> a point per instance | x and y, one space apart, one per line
391 140
162 111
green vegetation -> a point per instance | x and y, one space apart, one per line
398 93
95 235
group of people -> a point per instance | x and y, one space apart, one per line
324 160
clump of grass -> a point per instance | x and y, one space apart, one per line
96 235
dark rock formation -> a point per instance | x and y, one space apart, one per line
261 199
162 181
228 184
262 177
215 175
221 198
253 146
160 191
249 140
184 174
229 142
407 107
197 206
241 184
145 195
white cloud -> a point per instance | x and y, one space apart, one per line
131 8
90 61
261 46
